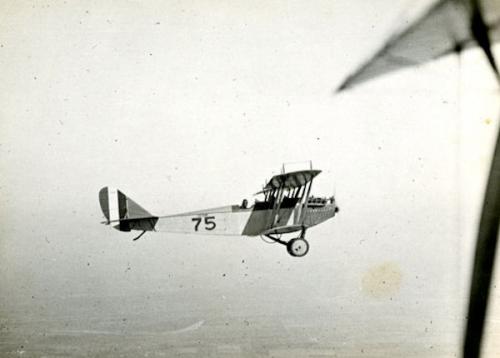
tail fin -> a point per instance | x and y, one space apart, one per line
120 209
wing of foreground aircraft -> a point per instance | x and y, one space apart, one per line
449 26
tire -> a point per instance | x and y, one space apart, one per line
297 247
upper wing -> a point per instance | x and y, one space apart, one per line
290 180
448 26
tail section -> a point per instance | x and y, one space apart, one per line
124 212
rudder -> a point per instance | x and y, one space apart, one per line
120 209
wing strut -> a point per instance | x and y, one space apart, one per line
277 205
304 205
484 259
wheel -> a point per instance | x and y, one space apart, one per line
297 247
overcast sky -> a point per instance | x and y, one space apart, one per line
189 105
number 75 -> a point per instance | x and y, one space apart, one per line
209 223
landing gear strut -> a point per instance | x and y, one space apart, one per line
296 247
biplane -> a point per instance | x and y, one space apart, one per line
286 207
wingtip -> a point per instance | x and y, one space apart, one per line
342 87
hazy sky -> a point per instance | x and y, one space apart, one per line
189 105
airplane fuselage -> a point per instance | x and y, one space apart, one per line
235 220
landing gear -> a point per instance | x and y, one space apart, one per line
297 247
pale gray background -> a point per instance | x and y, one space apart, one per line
188 105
